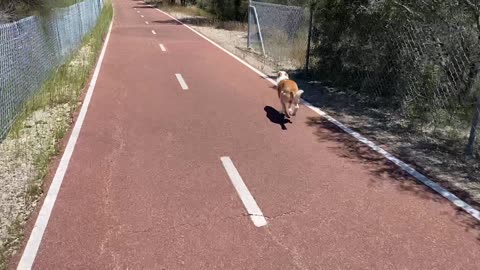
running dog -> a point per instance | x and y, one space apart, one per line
288 93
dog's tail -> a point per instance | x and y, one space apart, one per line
297 95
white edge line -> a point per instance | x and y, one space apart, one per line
417 175
41 223
182 82
162 47
146 22
249 202
153 32
142 16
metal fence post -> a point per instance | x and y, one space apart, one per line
310 28
248 24
59 39
259 29
80 24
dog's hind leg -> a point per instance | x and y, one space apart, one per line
295 109
285 110
290 109
296 101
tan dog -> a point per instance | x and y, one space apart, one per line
288 93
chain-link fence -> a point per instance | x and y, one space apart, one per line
279 31
405 72
420 56
30 49
422 59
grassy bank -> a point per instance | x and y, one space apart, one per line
33 139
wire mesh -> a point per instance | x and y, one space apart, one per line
279 31
32 47
421 56
416 60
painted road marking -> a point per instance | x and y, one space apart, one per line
182 82
146 22
138 11
249 202
404 166
142 16
153 32
162 47
30 252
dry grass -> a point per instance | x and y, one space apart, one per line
288 53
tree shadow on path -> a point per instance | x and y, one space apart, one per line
383 170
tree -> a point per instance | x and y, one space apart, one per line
469 149
11 10
473 131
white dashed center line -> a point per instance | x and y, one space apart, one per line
249 202
182 82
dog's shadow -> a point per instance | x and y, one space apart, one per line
276 117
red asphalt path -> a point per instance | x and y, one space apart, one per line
145 188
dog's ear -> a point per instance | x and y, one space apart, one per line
299 93
279 74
